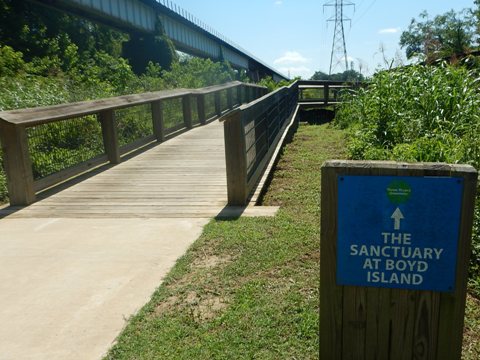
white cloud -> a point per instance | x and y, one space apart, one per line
349 59
294 64
278 2
389 31
291 58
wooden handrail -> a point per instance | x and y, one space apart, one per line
14 124
46 114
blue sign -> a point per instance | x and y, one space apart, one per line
398 231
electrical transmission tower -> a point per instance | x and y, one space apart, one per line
339 49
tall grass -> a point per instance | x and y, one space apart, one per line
418 113
415 113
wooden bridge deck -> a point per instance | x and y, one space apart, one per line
182 177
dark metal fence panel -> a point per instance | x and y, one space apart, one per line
210 105
223 100
59 146
134 124
173 115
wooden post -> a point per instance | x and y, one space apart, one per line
230 98
379 320
326 94
110 136
218 105
187 111
202 117
17 164
158 121
236 159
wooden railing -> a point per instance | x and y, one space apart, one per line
323 92
47 145
252 133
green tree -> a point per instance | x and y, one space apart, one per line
193 72
349 75
446 35
53 41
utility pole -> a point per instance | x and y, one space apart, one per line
339 49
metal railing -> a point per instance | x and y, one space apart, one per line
47 145
252 133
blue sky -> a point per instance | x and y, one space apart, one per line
293 36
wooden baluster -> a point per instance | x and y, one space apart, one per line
110 136
187 111
202 117
158 121
17 164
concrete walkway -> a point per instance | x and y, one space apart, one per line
68 285
75 265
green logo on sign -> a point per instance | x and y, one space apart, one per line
399 192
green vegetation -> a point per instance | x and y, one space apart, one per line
348 75
451 35
272 85
443 36
418 113
248 288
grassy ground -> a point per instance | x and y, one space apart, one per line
247 289
471 334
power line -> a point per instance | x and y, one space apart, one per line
339 48
365 12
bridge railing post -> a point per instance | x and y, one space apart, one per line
158 121
187 111
110 136
236 159
326 94
17 164
201 109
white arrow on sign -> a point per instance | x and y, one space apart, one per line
397 216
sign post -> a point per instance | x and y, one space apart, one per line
395 247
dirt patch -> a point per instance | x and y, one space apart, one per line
211 261
166 306
200 307
208 308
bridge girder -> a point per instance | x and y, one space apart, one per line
187 33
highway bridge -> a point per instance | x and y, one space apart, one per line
189 34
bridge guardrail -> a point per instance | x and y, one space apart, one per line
252 133
323 92
45 146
